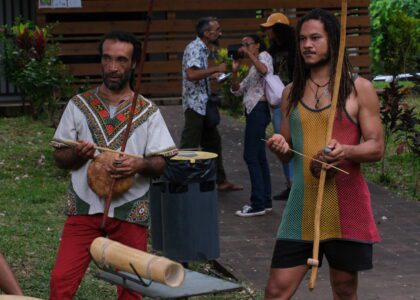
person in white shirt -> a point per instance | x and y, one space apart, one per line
100 116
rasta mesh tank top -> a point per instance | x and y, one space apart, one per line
346 210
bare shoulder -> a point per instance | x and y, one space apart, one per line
363 84
289 86
287 90
366 93
285 96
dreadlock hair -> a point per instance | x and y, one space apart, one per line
302 72
285 40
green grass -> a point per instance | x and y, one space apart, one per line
383 84
400 174
31 211
31 207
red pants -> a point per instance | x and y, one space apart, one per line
73 257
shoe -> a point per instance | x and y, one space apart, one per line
229 186
283 195
268 209
248 211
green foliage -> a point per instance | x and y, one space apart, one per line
230 102
408 139
402 162
391 109
395 29
401 126
408 134
401 172
31 62
380 85
31 208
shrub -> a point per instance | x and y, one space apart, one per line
31 62
401 124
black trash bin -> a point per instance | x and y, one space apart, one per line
184 222
155 203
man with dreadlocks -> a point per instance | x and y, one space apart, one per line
348 229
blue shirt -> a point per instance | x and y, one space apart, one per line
195 93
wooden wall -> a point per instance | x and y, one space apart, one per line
79 30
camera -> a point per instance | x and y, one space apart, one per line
234 53
223 77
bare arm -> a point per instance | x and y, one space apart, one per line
235 85
75 157
194 74
8 282
260 66
372 147
281 143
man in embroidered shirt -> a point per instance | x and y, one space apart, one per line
195 93
100 116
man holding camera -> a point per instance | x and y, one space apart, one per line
196 92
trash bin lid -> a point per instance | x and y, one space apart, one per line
192 156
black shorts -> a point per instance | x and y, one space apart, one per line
341 255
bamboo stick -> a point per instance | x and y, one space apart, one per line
317 219
314 159
75 143
123 258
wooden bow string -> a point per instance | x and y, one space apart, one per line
317 218
139 72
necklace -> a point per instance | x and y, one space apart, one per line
324 92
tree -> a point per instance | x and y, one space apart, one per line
395 31
395 49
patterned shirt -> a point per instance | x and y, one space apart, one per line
195 93
252 87
88 118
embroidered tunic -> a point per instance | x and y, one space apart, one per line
86 117
346 210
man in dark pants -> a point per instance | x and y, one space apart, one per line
195 93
